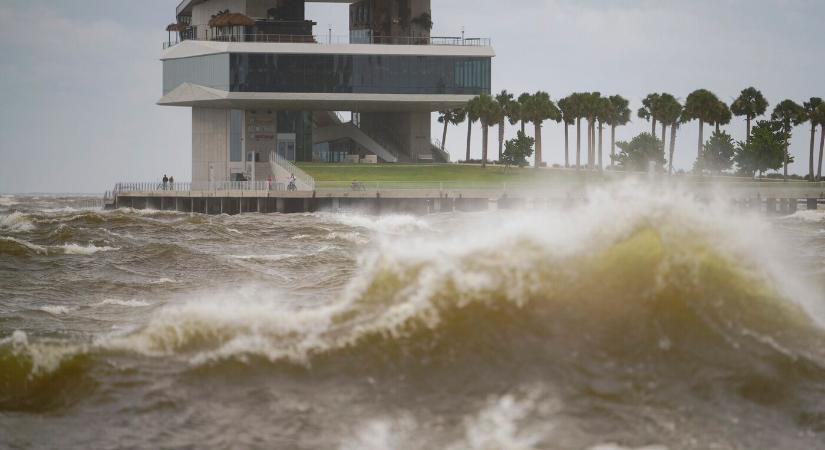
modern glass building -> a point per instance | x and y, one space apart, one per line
259 82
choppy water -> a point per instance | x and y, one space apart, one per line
637 321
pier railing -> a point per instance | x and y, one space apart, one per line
458 188
205 186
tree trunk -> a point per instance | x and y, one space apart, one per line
593 145
748 126
444 135
813 143
653 126
566 146
664 135
612 143
821 148
522 126
589 144
469 138
578 143
539 159
673 129
500 138
484 132
717 127
601 155
785 173
701 141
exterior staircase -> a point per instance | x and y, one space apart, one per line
351 131
284 170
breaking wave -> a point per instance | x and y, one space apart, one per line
19 247
638 279
639 289
41 376
16 222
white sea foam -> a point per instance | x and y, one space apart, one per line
7 200
491 253
45 358
56 310
16 222
65 209
807 216
124 303
269 258
352 236
76 249
502 424
389 224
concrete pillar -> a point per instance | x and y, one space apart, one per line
221 205
812 204
280 205
783 205
792 205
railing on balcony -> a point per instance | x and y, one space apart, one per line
211 35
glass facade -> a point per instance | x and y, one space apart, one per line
362 74
210 71
310 73
298 123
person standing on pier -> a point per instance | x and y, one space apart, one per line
171 183
165 180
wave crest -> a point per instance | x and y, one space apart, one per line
637 280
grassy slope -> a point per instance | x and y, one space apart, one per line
426 173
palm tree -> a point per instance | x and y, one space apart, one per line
701 105
577 105
522 101
590 109
568 116
751 104
472 116
723 115
666 107
604 113
789 114
648 111
619 116
820 113
504 100
811 110
539 108
490 114
450 117
670 113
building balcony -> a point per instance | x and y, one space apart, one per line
213 35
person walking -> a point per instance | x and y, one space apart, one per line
165 181
269 183
171 183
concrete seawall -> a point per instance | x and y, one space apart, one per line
776 199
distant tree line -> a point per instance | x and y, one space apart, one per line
764 148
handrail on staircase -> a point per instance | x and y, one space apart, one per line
299 174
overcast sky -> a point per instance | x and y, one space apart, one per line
81 78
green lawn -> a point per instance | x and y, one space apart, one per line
427 173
